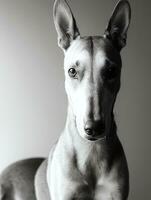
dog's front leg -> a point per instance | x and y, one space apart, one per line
65 188
66 183
74 191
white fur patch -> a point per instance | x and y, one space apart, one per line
99 60
107 187
77 52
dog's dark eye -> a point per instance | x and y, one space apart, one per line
110 73
72 72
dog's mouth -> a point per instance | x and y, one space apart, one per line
96 137
93 139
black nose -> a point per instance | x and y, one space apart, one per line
93 128
89 128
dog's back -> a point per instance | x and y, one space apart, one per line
15 178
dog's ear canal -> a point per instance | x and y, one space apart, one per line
65 24
118 24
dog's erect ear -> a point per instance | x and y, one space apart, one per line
65 24
118 25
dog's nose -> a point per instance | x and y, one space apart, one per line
93 128
89 128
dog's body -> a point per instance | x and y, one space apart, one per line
17 180
88 161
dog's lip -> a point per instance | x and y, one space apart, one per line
93 139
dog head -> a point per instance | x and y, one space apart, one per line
92 68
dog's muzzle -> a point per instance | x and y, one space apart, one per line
94 130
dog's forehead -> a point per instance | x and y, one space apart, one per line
78 51
90 49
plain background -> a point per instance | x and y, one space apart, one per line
32 98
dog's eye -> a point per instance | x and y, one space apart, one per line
72 72
110 73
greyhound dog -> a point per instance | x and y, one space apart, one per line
88 161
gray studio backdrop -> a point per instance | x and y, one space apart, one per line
32 98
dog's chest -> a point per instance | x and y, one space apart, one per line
107 186
102 183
